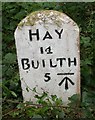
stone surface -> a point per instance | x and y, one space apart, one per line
48 54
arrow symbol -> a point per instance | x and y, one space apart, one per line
66 79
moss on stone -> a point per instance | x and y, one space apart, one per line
43 15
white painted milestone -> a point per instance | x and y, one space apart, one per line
47 44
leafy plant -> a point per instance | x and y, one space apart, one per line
84 15
51 107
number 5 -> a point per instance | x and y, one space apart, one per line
47 76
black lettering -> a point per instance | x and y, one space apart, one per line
74 62
59 33
51 64
43 63
33 34
37 64
61 61
41 50
65 73
47 35
25 63
48 50
47 75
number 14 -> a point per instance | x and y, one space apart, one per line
47 50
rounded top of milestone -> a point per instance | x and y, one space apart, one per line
47 17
